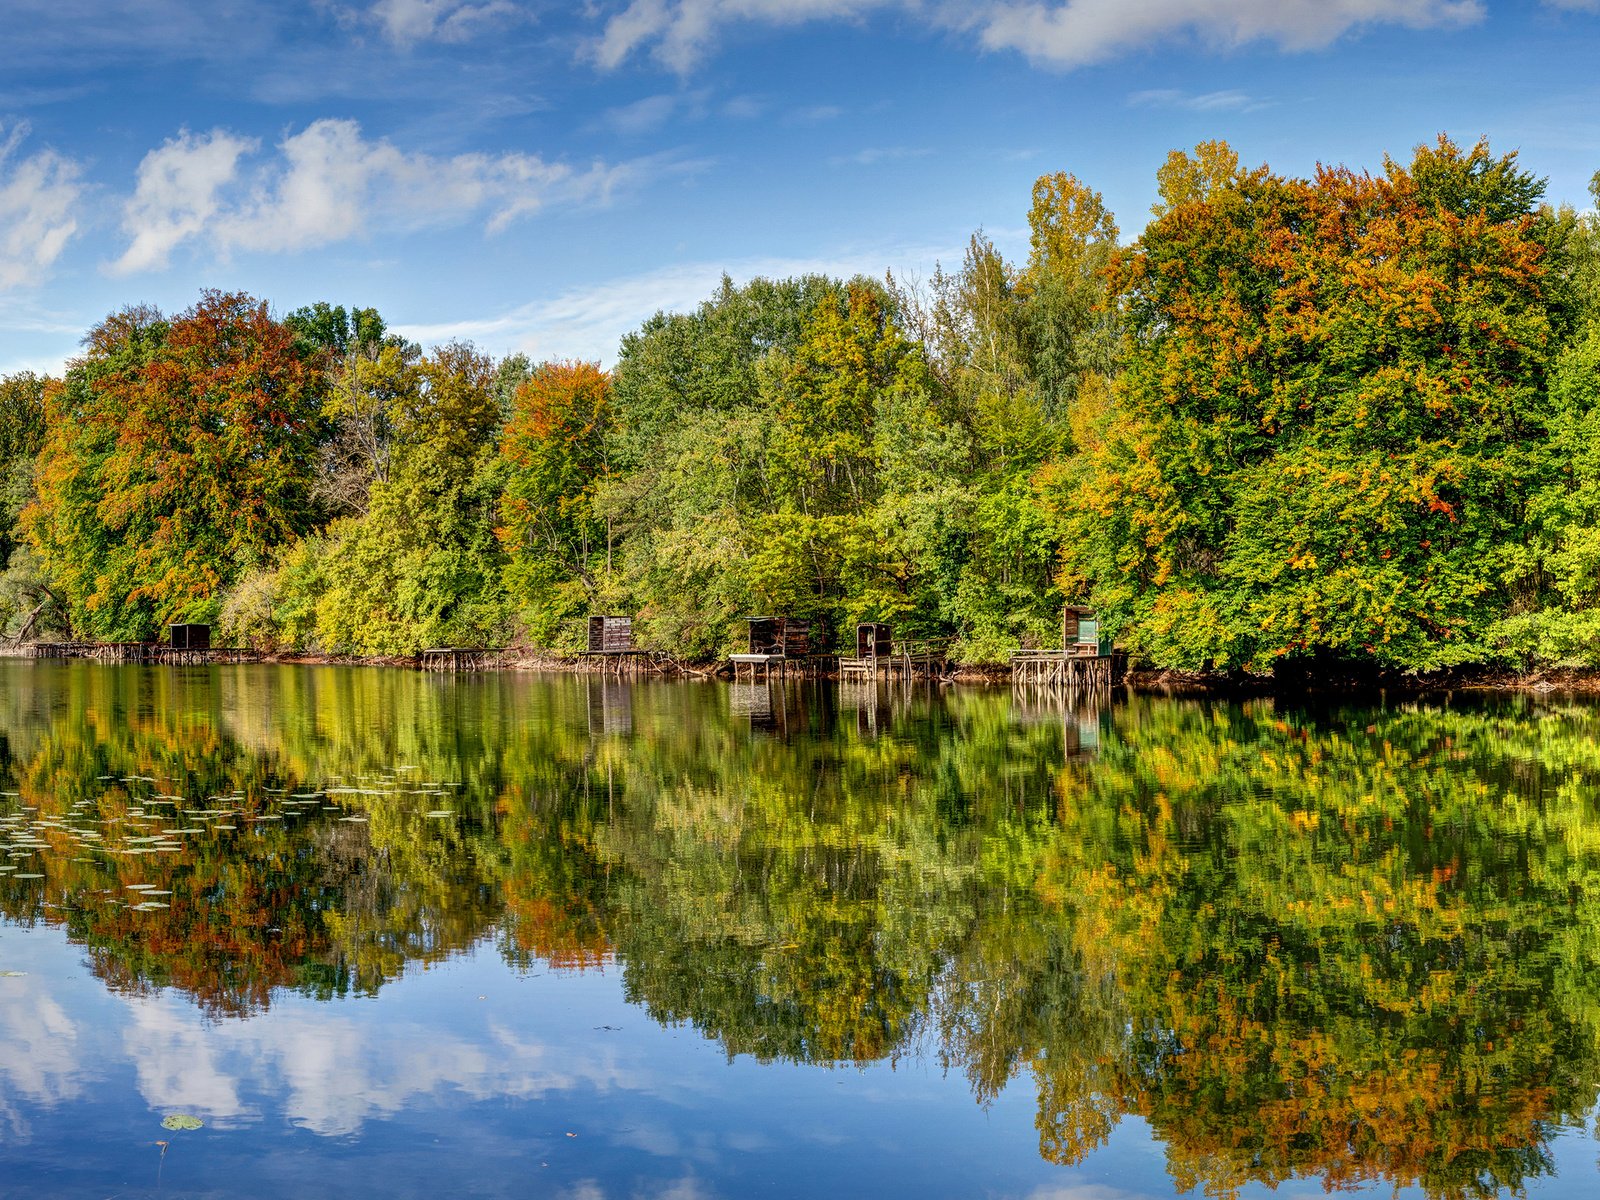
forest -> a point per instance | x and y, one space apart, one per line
1353 417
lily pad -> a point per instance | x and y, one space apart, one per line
181 1121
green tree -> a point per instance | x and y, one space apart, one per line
555 449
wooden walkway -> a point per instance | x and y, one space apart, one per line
141 652
621 662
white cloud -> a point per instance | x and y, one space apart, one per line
1086 31
334 1071
329 183
38 198
42 1063
649 114
408 21
1057 33
177 195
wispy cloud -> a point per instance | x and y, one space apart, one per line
589 322
874 155
1223 101
39 197
1054 33
329 183
651 113
406 22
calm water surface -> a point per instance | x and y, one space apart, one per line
392 935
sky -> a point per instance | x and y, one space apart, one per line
541 177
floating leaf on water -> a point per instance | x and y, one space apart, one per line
26 875
440 812
181 1121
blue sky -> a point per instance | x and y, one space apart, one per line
542 177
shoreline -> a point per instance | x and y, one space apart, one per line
1572 681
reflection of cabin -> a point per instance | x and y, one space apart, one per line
1082 715
190 637
610 706
1086 660
878 655
774 643
771 707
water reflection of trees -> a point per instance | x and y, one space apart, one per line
1353 944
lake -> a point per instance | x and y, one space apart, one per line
283 930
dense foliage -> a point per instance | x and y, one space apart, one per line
1350 417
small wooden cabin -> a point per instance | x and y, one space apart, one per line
190 637
1080 632
874 640
779 637
610 635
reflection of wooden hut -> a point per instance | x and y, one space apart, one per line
610 707
190 637
774 642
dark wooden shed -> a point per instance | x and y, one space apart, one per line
780 636
873 640
610 635
190 637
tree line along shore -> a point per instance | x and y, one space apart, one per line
1348 422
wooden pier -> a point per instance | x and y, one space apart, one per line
1067 671
1086 661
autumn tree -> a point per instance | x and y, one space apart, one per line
1332 417
178 453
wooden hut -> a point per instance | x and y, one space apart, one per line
1084 662
1080 632
610 635
610 638
189 637
774 643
